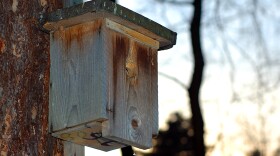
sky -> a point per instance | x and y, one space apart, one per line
236 106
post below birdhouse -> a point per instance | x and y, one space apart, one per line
103 90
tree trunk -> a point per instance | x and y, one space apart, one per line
24 80
197 120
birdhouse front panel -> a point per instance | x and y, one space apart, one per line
133 106
79 81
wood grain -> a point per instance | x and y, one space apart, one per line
134 108
90 135
79 84
132 33
103 86
154 92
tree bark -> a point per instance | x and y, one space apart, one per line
24 80
194 89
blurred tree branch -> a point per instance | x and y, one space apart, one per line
240 31
194 89
259 59
174 79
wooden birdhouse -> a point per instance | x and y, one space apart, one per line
103 76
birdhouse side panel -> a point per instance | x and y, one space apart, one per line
154 92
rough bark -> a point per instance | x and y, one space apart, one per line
194 89
24 80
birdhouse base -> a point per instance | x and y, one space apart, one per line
90 135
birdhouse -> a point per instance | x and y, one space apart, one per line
103 75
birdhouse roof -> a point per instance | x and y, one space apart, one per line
96 9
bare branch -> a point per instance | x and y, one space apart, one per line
180 83
259 33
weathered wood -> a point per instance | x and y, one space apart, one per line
103 73
89 135
103 90
132 34
72 149
97 9
133 109
154 93
79 85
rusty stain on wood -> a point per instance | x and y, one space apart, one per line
133 107
77 33
144 58
120 62
118 88
134 123
74 63
120 51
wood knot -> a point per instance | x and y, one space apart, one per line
134 124
131 64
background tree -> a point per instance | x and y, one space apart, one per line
194 89
197 76
239 38
249 49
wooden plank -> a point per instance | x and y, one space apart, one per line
97 9
79 90
89 135
79 87
133 111
154 92
53 26
71 149
132 33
